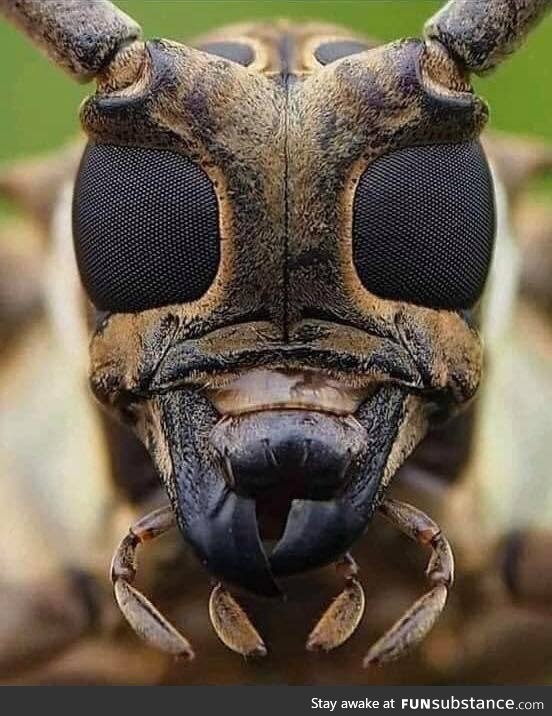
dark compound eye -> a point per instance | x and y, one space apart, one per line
146 228
424 225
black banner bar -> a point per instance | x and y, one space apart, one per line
282 700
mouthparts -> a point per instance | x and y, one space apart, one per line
291 457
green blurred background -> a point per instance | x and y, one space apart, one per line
39 104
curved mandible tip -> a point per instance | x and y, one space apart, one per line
479 34
81 37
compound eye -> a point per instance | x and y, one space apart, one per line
145 226
424 225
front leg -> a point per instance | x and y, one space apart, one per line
527 568
41 620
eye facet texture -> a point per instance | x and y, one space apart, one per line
146 228
424 225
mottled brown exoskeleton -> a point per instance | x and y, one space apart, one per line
285 233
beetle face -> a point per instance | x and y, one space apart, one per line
284 266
